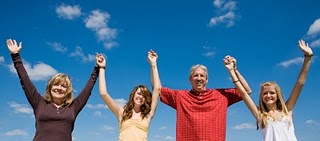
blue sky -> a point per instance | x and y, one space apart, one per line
60 36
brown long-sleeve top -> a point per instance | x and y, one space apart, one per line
52 123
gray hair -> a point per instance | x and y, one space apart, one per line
194 67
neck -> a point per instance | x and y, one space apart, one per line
58 103
137 109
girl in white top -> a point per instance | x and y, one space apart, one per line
274 115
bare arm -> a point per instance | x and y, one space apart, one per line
243 92
113 106
239 76
152 58
291 102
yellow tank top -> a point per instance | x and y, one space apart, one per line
134 130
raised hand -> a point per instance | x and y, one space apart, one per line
305 48
101 61
229 62
152 57
13 47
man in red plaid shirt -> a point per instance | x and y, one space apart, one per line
201 112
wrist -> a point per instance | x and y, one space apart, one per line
306 55
236 81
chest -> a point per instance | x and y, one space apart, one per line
49 112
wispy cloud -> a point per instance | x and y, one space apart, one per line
1 59
97 113
293 61
244 126
68 12
97 106
315 44
226 13
169 138
109 128
121 102
311 122
97 21
20 108
208 52
162 128
163 138
314 29
79 53
16 132
57 47
38 72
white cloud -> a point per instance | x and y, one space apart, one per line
1 59
16 132
163 128
218 3
38 72
287 63
169 138
97 113
96 106
226 13
97 21
68 12
109 128
57 47
208 52
314 28
79 53
244 126
311 122
121 102
315 44
20 108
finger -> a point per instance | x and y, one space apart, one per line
20 45
14 42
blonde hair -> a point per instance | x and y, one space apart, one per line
194 67
56 80
280 104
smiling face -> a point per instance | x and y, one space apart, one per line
59 91
138 98
198 79
269 95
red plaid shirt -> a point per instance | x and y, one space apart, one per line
200 116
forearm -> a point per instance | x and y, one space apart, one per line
243 82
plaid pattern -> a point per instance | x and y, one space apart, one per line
200 116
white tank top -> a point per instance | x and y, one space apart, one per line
279 130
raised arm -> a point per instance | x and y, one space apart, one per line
230 65
155 81
291 102
113 106
239 76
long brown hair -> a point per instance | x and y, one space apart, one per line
280 104
56 80
145 108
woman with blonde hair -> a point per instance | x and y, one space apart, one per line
56 112
135 117
274 115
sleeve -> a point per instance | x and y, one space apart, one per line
84 95
232 95
29 89
169 97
